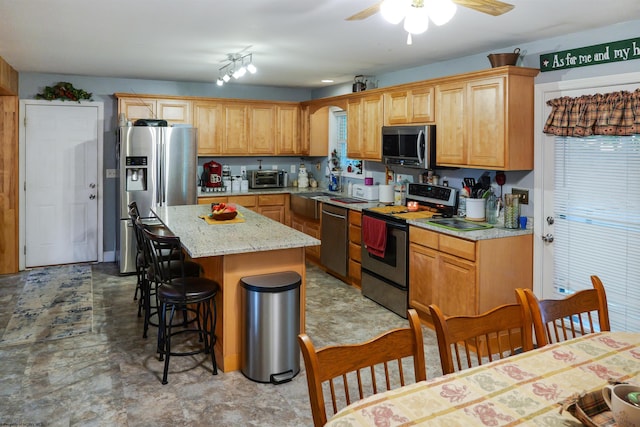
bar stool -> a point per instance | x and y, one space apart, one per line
181 293
151 277
141 262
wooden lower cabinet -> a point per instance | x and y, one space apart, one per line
274 206
355 251
465 277
312 228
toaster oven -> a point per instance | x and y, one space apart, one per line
267 179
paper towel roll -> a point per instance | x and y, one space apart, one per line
385 194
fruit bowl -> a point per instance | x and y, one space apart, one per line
224 216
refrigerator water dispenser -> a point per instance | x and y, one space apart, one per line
136 179
136 176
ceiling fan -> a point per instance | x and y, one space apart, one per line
491 7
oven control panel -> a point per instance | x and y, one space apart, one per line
430 193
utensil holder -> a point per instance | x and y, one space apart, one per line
476 209
511 211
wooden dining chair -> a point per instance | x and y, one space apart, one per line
581 313
346 366
466 341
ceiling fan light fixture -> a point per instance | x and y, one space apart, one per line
226 78
252 68
440 11
393 11
220 82
417 20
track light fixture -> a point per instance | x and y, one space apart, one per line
237 66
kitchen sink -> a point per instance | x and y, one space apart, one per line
313 194
458 224
307 204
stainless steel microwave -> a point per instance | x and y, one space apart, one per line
409 146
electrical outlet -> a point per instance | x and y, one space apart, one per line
274 167
243 170
112 173
523 195
293 168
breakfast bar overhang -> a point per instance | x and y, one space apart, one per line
228 251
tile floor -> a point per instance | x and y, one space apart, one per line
112 376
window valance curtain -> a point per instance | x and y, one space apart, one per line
616 113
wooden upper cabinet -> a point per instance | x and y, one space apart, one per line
234 137
207 118
450 128
288 129
409 106
364 122
319 132
485 123
485 119
8 79
305 130
262 129
135 109
174 111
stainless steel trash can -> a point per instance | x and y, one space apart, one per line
270 306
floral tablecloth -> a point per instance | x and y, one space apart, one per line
524 389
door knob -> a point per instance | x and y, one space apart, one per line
548 238
93 196
550 220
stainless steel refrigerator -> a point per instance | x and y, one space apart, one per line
157 167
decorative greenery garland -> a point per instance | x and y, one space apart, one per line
63 91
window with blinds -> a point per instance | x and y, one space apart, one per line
341 139
597 221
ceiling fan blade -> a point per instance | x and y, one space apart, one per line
365 13
491 7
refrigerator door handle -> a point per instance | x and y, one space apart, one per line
158 191
163 172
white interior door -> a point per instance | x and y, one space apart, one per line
61 183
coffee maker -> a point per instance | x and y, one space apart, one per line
211 179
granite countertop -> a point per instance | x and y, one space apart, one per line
497 232
303 191
257 233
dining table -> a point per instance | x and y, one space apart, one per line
524 389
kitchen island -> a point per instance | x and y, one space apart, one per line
229 251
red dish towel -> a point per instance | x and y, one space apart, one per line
374 235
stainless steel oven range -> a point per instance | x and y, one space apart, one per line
385 274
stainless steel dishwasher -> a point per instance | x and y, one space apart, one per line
333 251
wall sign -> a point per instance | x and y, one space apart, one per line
623 50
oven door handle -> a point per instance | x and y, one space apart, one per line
401 227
